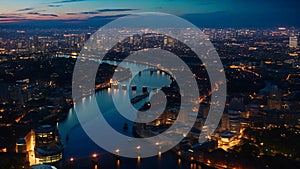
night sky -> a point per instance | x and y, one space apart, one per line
203 13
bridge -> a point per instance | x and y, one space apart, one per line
117 85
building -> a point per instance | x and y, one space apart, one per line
236 108
48 148
45 135
293 42
226 137
274 100
21 146
227 140
26 142
234 121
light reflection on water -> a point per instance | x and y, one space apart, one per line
80 146
74 131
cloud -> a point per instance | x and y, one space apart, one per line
54 6
33 13
54 15
99 11
67 1
116 10
112 17
88 13
11 18
42 14
71 13
25 9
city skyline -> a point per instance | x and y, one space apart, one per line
261 112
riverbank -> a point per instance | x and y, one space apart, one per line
76 134
140 132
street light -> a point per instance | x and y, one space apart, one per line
94 158
118 153
95 155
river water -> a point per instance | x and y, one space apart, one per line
80 146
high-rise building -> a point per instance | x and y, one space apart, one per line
236 107
48 148
234 121
293 43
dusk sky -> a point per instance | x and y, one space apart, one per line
206 12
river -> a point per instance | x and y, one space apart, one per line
80 146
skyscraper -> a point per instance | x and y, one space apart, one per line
293 43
